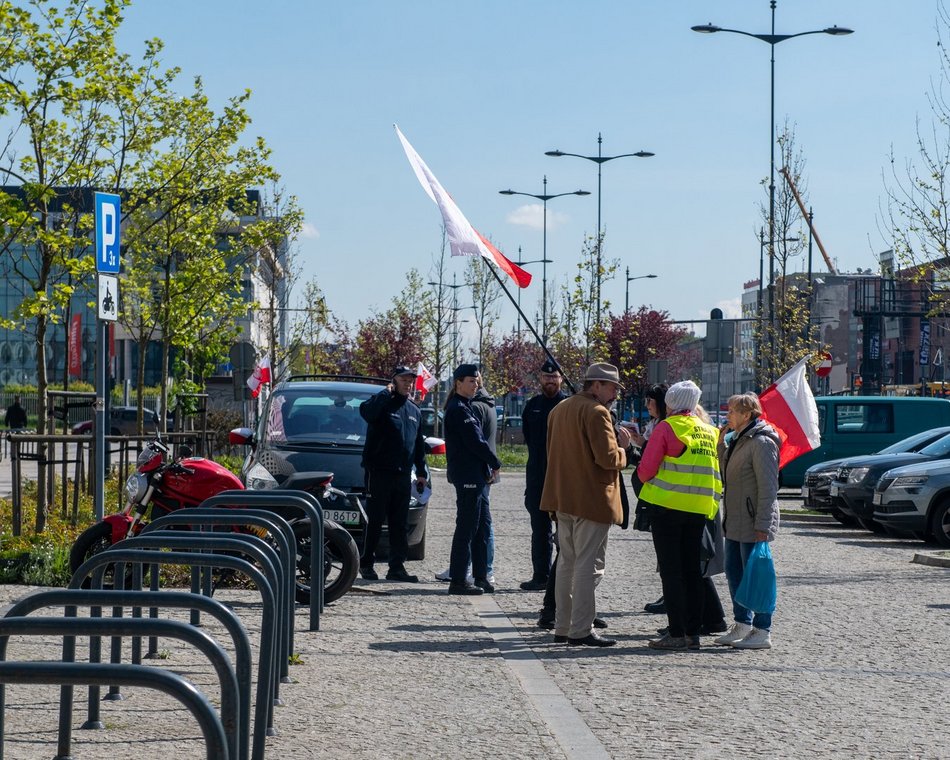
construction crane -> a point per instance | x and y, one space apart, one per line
811 227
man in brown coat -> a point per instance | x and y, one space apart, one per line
585 453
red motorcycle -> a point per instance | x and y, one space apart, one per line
161 485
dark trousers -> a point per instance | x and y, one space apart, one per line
472 528
542 539
388 501
677 537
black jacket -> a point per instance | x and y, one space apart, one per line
469 458
483 405
534 425
16 416
393 434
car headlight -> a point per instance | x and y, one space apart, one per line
909 481
259 479
858 474
135 487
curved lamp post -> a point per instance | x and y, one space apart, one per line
626 302
544 198
600 159
521 263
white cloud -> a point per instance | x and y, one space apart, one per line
309 231
532 215
731 307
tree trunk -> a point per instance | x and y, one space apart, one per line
42 383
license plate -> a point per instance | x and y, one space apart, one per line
804 492
343 516
878 498
834 490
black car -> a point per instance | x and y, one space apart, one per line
852 490
313 423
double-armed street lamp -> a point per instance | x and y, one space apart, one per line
626 301
521 263
455 309
600 159
544 198
772 40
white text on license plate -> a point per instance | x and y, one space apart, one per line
804 492
878 498
343 516
834 490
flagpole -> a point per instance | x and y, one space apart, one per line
528 323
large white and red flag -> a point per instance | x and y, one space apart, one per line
259 377
789 406
425 381
464 239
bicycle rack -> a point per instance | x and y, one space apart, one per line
69 627
174 600
283 501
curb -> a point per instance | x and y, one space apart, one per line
933 559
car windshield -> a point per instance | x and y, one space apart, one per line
913 443
939 448
316 416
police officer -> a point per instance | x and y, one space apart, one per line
393 445
534 422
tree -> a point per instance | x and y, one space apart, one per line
395 337
512 363
580 299
319 340
485 295
438 323
634 338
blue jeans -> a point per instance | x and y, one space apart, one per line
737 554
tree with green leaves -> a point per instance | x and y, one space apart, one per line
485 294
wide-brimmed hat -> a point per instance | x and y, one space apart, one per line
606 373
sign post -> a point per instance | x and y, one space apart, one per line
108 262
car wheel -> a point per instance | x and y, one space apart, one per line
870 524
940 524
842 518
418 551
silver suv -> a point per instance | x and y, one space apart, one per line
915 499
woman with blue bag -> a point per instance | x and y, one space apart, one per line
749 468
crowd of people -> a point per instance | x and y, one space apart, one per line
706 495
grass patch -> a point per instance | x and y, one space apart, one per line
513 457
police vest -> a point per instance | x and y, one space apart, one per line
689 482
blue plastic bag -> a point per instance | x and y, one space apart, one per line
758 589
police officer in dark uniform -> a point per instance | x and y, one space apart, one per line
534 424
393 445
471 468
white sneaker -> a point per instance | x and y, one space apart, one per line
491 579
446 575
757 639
737 633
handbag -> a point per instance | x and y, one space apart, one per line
707 546
758 590
641 517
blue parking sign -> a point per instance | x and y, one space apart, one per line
108 216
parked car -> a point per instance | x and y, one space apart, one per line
858 425
816 490
511 430
852 490
123 420
915 499
312 425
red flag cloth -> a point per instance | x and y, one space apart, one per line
424 380
789 406
260 376
509 267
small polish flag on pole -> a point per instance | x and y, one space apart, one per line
260 376
789 406
425 382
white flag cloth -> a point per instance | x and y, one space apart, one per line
789 406
259 377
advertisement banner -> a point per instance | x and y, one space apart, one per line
924 342
74 346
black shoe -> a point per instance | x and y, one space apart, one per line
546 623
692 642
663 631
600 623
534 585
591 640
656 608
464 589
369 574
400 574
712 630
559 639
485 586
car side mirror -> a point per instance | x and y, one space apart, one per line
241 436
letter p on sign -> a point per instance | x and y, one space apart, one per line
108 216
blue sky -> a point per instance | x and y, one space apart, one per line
482 89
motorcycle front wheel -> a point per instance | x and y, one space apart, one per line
341 561
93 540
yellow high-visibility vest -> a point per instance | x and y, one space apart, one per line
691 481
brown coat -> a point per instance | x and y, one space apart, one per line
583 461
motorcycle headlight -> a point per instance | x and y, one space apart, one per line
259 479
135 487
858 474
909 481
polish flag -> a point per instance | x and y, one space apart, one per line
789 406
464 239
260 376
425 382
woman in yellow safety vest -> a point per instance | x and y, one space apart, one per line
682 488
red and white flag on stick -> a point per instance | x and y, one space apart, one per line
259 377
425 382
464 239
789 406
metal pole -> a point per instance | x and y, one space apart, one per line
544 270
519 298
599 236
102 353
772 199
626 298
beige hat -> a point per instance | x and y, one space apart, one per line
604 372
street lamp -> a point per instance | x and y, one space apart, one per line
759 304
544 198
454 308
772 40
626 302
600 160
521 263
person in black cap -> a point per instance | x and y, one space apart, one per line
471 467
534 424
393 445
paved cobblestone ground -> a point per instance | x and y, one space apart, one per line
858 668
